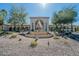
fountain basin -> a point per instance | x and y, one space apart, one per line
39 35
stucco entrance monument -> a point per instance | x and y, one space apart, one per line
39 24
39 27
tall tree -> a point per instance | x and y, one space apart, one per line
65 16
18 16
71 14
3 14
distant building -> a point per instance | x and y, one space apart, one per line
36 24
9 27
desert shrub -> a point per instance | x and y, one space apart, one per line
13 36
56 37
66 42
8 32
56 33
19 39
34 43
4 33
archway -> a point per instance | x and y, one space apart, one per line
39 25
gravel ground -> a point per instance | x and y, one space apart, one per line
57 47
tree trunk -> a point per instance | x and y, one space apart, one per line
1 27
2 24
14 27
56 27
71 27
21 27
67 28
60 27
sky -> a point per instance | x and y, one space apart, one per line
38 9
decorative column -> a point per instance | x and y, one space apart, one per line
34 26
47 25
44 24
